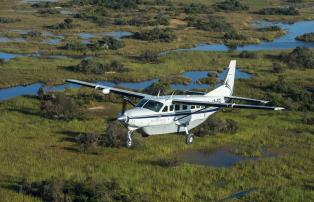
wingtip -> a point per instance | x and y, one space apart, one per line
279 108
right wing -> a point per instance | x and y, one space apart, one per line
218 104
246 99
109 89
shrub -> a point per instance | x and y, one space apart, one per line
196 8
299 57
307 119
88 141
233 35
168 162
230 5
59 106
308 37
66 24
213 23
270 28
248 54
155 88
149 57
162 20
45 4
48 11
278 11
90 66
77 46
212 126
109 42
278 68
56 189
113 4
156 34
115 135
9 20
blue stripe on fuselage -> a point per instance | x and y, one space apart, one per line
178 114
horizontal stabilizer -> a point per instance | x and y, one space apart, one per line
229 105
246 99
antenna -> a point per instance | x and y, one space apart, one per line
172 94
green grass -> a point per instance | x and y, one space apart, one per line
36 148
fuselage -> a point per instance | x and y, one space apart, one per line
158 115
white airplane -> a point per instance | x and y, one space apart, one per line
154 115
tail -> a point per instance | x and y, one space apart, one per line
227 88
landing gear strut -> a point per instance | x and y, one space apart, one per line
189 137
129 139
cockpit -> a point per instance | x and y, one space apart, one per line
150 104
157 106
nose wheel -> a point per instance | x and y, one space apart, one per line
129 139
189 137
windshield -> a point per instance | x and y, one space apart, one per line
153 105
141 103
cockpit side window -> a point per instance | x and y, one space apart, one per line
165 109
153 105
141 103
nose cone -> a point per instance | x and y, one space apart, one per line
123 118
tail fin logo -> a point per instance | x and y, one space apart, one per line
227 85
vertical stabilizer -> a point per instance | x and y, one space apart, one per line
227 88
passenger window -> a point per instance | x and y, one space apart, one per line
171 108
197 106
184 107
176 107
165 109
192 107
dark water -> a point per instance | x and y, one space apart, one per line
220 158
284 42
238 195
32 89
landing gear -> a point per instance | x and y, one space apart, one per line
129 139
188 137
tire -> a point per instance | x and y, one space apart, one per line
128 143
189 139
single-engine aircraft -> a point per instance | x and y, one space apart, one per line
154 115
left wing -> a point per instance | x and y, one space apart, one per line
218 104
107 89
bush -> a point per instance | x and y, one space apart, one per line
59 106
90 66
115 135
278 68
196 8
168 162
9 20
299 57
149 57
213 23
230 5
269 28
48 11
308 37
57 190
113 4
212 126
156 34
76 46
66 24
109 42
278 11
248 54
88 141
162 20
155 88
233 35
45 4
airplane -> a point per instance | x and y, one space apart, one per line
155 115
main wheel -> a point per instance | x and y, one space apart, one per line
128 142
189 139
